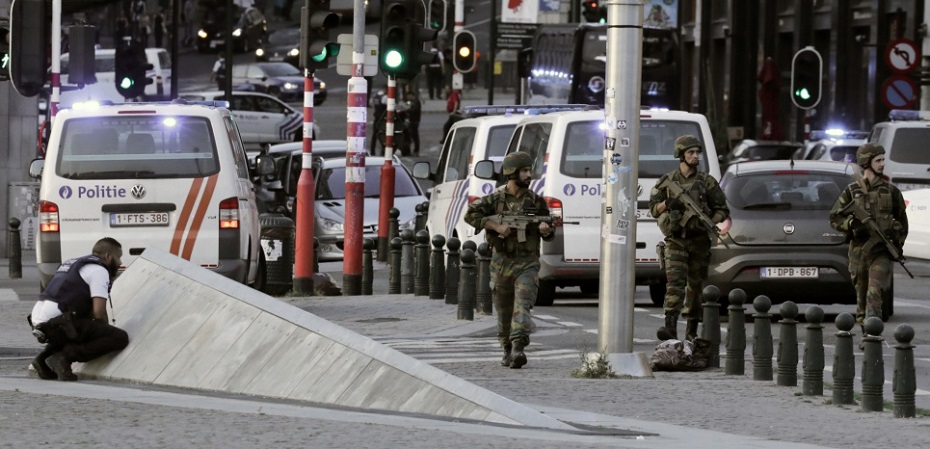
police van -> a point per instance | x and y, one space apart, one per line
484 136
568 150
170 176
905 137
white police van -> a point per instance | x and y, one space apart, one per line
568 148
905 137
171 176
467 142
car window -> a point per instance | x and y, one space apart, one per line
280 69
270 105
844 153
241 103
242 161
459 154
254 71
332 183
802 190
533 140
239 71
817 152
498 139
164 61
910 146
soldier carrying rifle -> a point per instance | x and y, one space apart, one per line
689 205
872 213
515 220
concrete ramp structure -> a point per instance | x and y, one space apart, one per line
191 328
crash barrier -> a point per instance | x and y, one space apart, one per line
872 374
14 249
277 239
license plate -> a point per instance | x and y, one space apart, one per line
139 219
789 272
643 214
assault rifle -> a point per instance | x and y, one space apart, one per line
676 191
863 216
519 221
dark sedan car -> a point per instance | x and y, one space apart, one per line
760 150
780 243
282 46
278 79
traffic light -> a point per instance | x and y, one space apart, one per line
463 44
437 15
806 78
29 38
4 50
81 58
593 12
131 67
316 46
394 36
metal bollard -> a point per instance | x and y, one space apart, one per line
406 262
422 210
394 223
466 309
368 272
15 249
483 287
452 271
813 353
873 366
736 333
470 244
384 244
844 361
394 282
762 339
904 383
421 283
787 346
712 324
316 256
437 272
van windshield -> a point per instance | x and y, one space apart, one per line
137 147
583 152
910 146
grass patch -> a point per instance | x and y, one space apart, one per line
594 366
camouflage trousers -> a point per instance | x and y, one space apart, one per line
871 277
686 264
514 283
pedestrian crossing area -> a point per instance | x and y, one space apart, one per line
468 350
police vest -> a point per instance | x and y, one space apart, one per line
68 288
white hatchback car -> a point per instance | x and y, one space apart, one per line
262 118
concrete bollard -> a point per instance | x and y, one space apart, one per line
483 286
844 361
736 333
406 262
466 309
394 281
368 246
421 282
15 249
787 372
712 324
813 353
904 383
420 223
873 366
452 271
437 273
762 339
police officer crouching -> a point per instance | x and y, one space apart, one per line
514 263
687 239
71 316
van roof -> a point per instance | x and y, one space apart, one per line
594 115
174 107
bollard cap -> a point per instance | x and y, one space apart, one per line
396 243
439 241
874 326
406 235
845 322
453 244
470 244
814 315
14 222
737 297
484 250
368 244
711 293
422 236
762 304
788 310
394 212
904 334
467 256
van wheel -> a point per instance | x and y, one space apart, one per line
888 302
545 296
657 293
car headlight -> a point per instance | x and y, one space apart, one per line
331 226
237 32
322 85
294 52
259 52
289 86
202 34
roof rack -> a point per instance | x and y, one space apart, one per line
525 109
908 114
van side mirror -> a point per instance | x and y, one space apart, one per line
421 170
36 167
264 165
485 170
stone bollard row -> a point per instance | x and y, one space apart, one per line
406 262
394 281
452 271
437 273
736 333
421 281
466 305
483 288
368 247
712 324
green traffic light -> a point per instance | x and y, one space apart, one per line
393 59
126 82
5 62
802 93
319 57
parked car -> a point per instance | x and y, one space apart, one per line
834 145
262 119
276 193
250 30
278 79
283 45
780 243
760 150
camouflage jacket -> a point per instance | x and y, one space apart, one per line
500 201
700 186
883 201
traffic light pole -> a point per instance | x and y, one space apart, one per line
356 125
387 170
457 82
55 98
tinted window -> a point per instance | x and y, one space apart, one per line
844 153
498 139
910 146
459 154
137 147
533 140
801 190
332 183
164 61
280 69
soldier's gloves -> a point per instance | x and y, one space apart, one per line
674 204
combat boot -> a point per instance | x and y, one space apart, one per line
507 359
670 330
61 366
691 331
518 358
42 369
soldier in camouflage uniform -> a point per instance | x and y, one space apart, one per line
514 264
870 263
687 242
